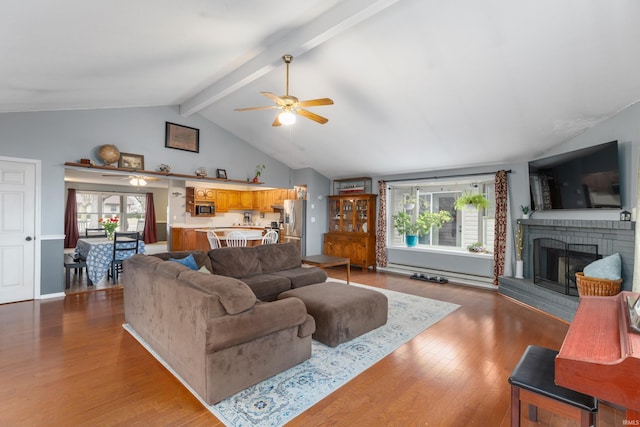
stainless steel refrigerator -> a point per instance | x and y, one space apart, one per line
295 221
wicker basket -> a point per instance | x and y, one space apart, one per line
594 286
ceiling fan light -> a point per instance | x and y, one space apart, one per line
287 118
137 181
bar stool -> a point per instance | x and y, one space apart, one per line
533 382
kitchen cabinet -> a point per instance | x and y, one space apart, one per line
226 200
183 239
190 202
205 195
279 196
352 230
199 196
246 200
222 200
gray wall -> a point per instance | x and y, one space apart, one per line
624 127
62 136
318 187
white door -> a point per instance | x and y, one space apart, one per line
17 231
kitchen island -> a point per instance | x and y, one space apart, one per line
195 238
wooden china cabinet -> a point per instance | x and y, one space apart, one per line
352 229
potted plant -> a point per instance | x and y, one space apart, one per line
526 211
476 247
259 169
477 200
404 224
409 202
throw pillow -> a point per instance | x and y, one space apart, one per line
609 267
204 269
188 261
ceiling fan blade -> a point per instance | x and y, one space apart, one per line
312 116
270 107
276 122
315 102
274 98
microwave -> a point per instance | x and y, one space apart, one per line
205 209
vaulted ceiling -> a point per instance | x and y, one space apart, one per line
417 84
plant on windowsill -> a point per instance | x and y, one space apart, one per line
476 247
404 224
477 200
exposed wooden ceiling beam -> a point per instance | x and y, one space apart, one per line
333 22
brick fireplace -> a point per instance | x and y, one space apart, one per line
579 238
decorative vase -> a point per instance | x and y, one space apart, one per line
525 216
255 179
411 240
109 234
519 269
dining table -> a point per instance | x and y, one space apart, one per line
98 253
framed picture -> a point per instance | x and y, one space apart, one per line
221 173
133 161
182 137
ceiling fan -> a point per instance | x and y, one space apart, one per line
290 106
136 180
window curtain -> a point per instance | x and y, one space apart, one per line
149 233
71 234
500 239
381 231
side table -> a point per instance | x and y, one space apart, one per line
323 261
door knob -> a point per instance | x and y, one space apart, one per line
28 239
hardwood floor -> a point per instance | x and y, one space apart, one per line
69 362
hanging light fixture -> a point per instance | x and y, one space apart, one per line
287 117
137 181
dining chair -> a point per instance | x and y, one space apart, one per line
214 240
236 239
95 232
270 237
125 245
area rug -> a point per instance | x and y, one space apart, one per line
279 399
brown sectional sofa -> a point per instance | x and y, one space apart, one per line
211 328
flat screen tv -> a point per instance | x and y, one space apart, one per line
588 178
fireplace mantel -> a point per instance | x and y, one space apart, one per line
579 223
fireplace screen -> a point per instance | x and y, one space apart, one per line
555 263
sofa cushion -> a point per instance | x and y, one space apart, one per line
235 262
279 257
202 259
234 295
267 286
186 261
303 276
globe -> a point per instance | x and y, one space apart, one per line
109 154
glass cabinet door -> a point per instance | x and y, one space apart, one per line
362 210
334 215
347 215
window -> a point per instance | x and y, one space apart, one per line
467 227
92 206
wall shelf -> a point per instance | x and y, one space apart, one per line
157 173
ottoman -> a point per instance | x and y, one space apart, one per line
341 312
